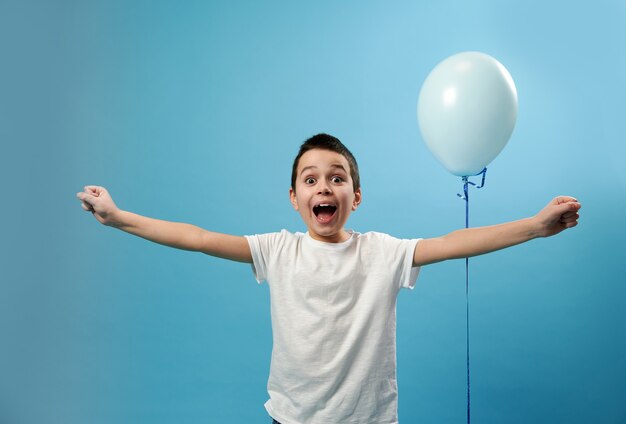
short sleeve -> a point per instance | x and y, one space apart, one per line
410 274
259 267
263 248
399 254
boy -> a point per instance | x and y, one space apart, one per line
333 291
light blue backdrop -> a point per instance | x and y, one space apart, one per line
193 111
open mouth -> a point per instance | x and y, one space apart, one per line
324 212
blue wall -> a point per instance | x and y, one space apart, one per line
193 111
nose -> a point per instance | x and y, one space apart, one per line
324 188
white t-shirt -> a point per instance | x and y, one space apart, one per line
334 325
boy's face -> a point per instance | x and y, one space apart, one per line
324 194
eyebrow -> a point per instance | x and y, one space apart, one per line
334 165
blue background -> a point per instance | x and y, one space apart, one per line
193 112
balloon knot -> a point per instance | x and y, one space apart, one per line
467 183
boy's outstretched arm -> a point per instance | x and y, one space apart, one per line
561 213
98 201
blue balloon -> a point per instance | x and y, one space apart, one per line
466 111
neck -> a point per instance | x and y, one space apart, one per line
339 237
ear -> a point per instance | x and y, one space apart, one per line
358 197
292 198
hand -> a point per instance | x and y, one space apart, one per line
98 201
561 213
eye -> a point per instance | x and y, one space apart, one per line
336 179
309 180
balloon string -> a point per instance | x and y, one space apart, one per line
465 196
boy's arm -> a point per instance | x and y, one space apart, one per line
174 234
561 213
